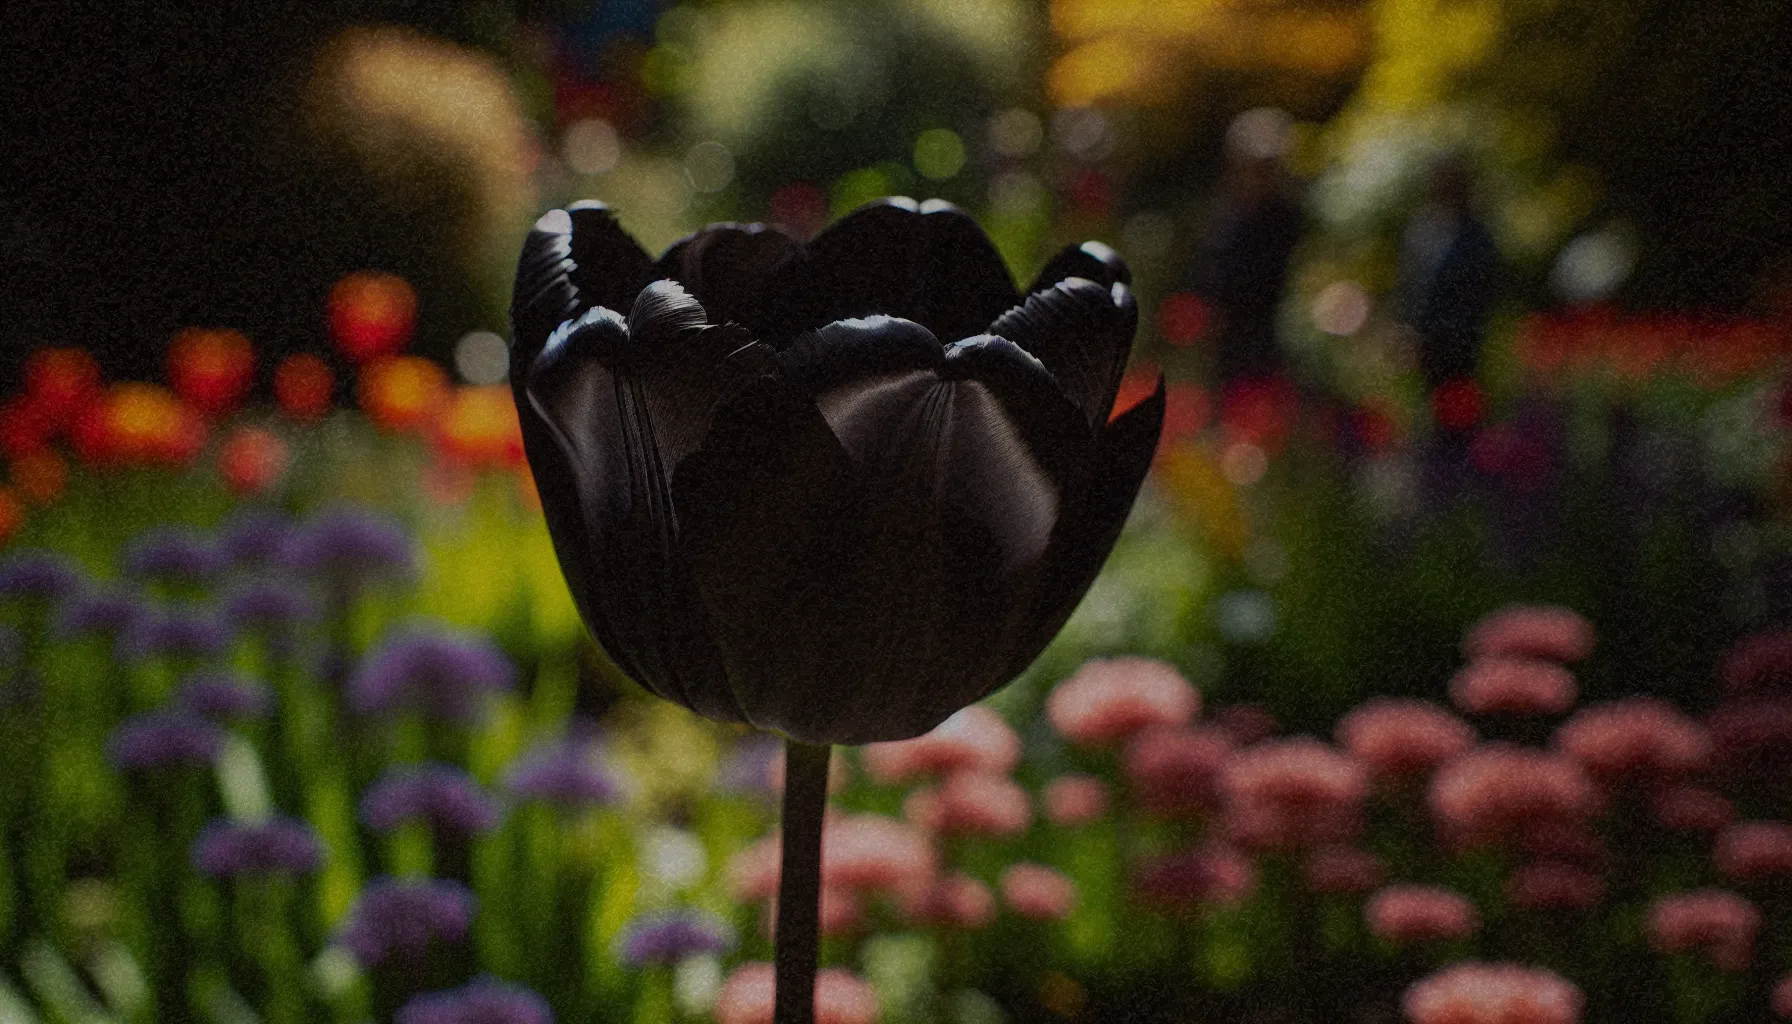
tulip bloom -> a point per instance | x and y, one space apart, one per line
838 490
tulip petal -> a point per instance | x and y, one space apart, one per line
866 553
1082 331
1092 261
624 402
1091 523
929 263
573 259
730 269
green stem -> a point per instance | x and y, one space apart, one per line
799 880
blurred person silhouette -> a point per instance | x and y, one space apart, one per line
1243 269
1448 274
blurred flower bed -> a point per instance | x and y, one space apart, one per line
1448 714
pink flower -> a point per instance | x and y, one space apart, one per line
1109 699
1294 792
1213 876
955 901
1753 735
1781 999
1532 631
1176 771
971 803
1719 922
863 852
841 911
1480 993
1640 739
1074 799
1692 809
840 998
1554 884
974 739
1497 790
1245 724
1513 686
1754 849
1037 892
1759 662
1404 913
1397 737
1343 870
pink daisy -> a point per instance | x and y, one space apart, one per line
1639 739
1719 922
1513 686
1109 699
1398 737
1405 913
1176 771
1074 799
1532 631
974 739
1483 993
1037 892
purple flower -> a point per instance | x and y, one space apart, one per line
173 555
399 921
278 846
348 548
97 612
564 775
443 673
254 536
221 696
269 605
164 739
444 796
174 631
744 771
485 1001
668 936
32 574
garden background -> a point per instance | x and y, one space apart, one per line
297 720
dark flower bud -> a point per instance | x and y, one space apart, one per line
841 489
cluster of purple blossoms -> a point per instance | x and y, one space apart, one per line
254 536
34 575
443 796
164 739
173 631
177 556
347 549
223 696
485 1001
669 936
101 612
277 846
442 673
563 775
399 921
267 605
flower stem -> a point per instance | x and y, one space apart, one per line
799 880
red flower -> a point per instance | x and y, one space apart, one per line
304 386
211 368
372 315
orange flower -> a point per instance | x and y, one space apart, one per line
138 424
372 315
479 429
212 368
251 460
402 392
304 386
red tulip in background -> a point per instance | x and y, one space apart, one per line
138 425
372 314
211 368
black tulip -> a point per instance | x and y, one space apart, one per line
841 489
